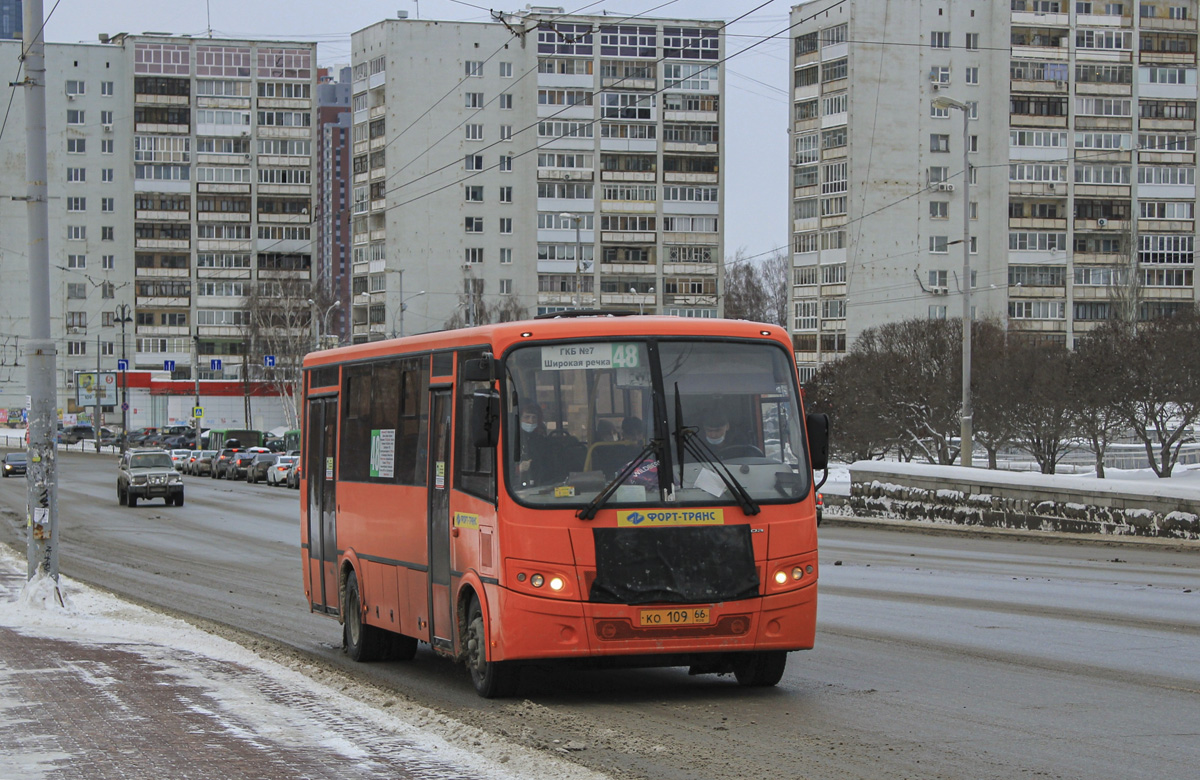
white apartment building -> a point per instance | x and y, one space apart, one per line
1082 114
534 164
180 178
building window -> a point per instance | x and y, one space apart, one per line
506 70
939 40
108 290
505 132
76 261
474 68
76 290
76 145
505 256
76 348
76 204
939 173
473 255
108 262
506 194
939 142
506 287
939 209
473 193
75 117
506 102
474 224
106 233
971 75
506 163
76 175
473 100
972 41
506 225
474 132
106 117
937 312
106 146
106 175
938 244
76 233
107 205
474 162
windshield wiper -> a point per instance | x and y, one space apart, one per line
593 506
700 451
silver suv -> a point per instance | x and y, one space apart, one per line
148 474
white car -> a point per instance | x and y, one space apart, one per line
277 473
179 458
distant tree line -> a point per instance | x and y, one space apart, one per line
898 392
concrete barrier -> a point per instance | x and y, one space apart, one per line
993 499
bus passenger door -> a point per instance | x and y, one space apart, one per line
322 504
440 613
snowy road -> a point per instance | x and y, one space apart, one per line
938 655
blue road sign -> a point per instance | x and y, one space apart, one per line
168 365
269 361
122 365
124 407
215 364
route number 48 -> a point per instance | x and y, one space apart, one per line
625 355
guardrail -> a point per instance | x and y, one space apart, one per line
15 440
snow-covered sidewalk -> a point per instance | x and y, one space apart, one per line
101 688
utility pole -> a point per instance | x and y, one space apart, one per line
196 374
41 479
123 318
96 387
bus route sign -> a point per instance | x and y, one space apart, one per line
568 357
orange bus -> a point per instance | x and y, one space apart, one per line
621 490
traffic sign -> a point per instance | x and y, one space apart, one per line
124 407
269 361
197 411
215 364
168 365
122 365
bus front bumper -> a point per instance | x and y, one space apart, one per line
535 627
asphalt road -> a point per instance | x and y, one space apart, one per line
949 656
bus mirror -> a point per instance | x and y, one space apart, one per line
817 426
481 369
485 419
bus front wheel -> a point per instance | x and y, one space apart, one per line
761 669
363 642
492 679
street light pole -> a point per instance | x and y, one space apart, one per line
578 259
403 306
123 318
966 442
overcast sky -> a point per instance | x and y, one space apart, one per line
756 86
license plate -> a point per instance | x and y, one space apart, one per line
692 616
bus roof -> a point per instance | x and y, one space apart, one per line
504 334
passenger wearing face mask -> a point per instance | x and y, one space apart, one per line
536 464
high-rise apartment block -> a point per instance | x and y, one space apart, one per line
11 21
536 163
180 181
1080 134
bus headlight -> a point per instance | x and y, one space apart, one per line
537 580
556 583
781 577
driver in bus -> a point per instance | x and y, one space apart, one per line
715 427
536 463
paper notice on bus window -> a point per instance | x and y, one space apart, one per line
710 483
439 475
568 357
383 453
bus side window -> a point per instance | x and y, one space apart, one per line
474 466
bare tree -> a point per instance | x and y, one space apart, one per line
280 323
995 392
1044 422
474 309
775 273
1159 383
745 296
848 391
1094 394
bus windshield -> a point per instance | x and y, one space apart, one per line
639 422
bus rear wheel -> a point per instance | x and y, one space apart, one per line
761 669
363 642
492 679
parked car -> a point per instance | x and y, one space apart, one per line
179 458
14 463
258 468
201 462
222 461
278 473
293 475
240 464
148 473
73 434
137 437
